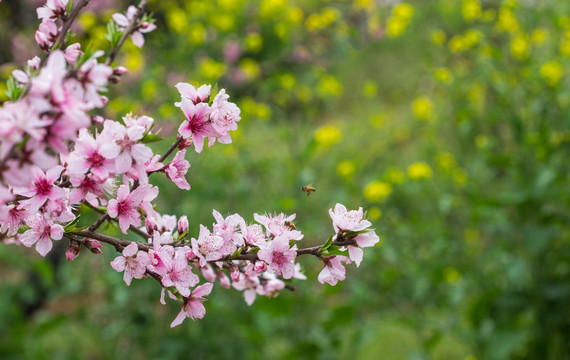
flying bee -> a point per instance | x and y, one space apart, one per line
290 225
308 189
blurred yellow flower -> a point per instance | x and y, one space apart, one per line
374 213
148 89
519 47
295 15
394 176
282 30
403 11
377 191
438 37
329 85
268 8
177 20
451 275
287 81
460 176
211 69
254 42
223 22
346 169
539 36
422 108
399 20
471 10
489 15
481 141
443 75
445 160
134 61
551 72
327 135
250 68
370 90
565 44
507 22
196 34
87 20
419 170
377 120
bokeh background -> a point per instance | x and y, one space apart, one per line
448 120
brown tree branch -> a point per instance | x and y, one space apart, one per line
68 22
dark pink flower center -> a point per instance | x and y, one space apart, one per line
96 160
43 187
279 258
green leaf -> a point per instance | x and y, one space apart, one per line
327 244
150 138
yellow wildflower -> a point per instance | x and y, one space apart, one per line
419 170
551 72
377 191
327 135
422 108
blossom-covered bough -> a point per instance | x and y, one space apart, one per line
57 158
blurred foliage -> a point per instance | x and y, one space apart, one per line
448 120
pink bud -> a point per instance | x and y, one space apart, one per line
190 255
93 245
183 224
234 273
224 280
34 63
72 252
120 70
260 266
97 119
150 225
72 52
185 143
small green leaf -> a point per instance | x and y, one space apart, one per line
149 138
327 244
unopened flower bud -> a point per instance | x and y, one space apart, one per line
224 280
183 224
185 143
72 53
120 70
150 225
190 255
260 266
72 252
235 273
34 63
93 245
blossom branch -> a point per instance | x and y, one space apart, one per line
133 25
68 22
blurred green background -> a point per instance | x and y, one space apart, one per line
448 120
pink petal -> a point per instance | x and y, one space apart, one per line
56 232
123 162
195 309
130 250
113 208
355 254
121 20
119 263
138 39
43 246
202 290
179 319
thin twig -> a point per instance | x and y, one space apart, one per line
133 228
68 22
133 25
